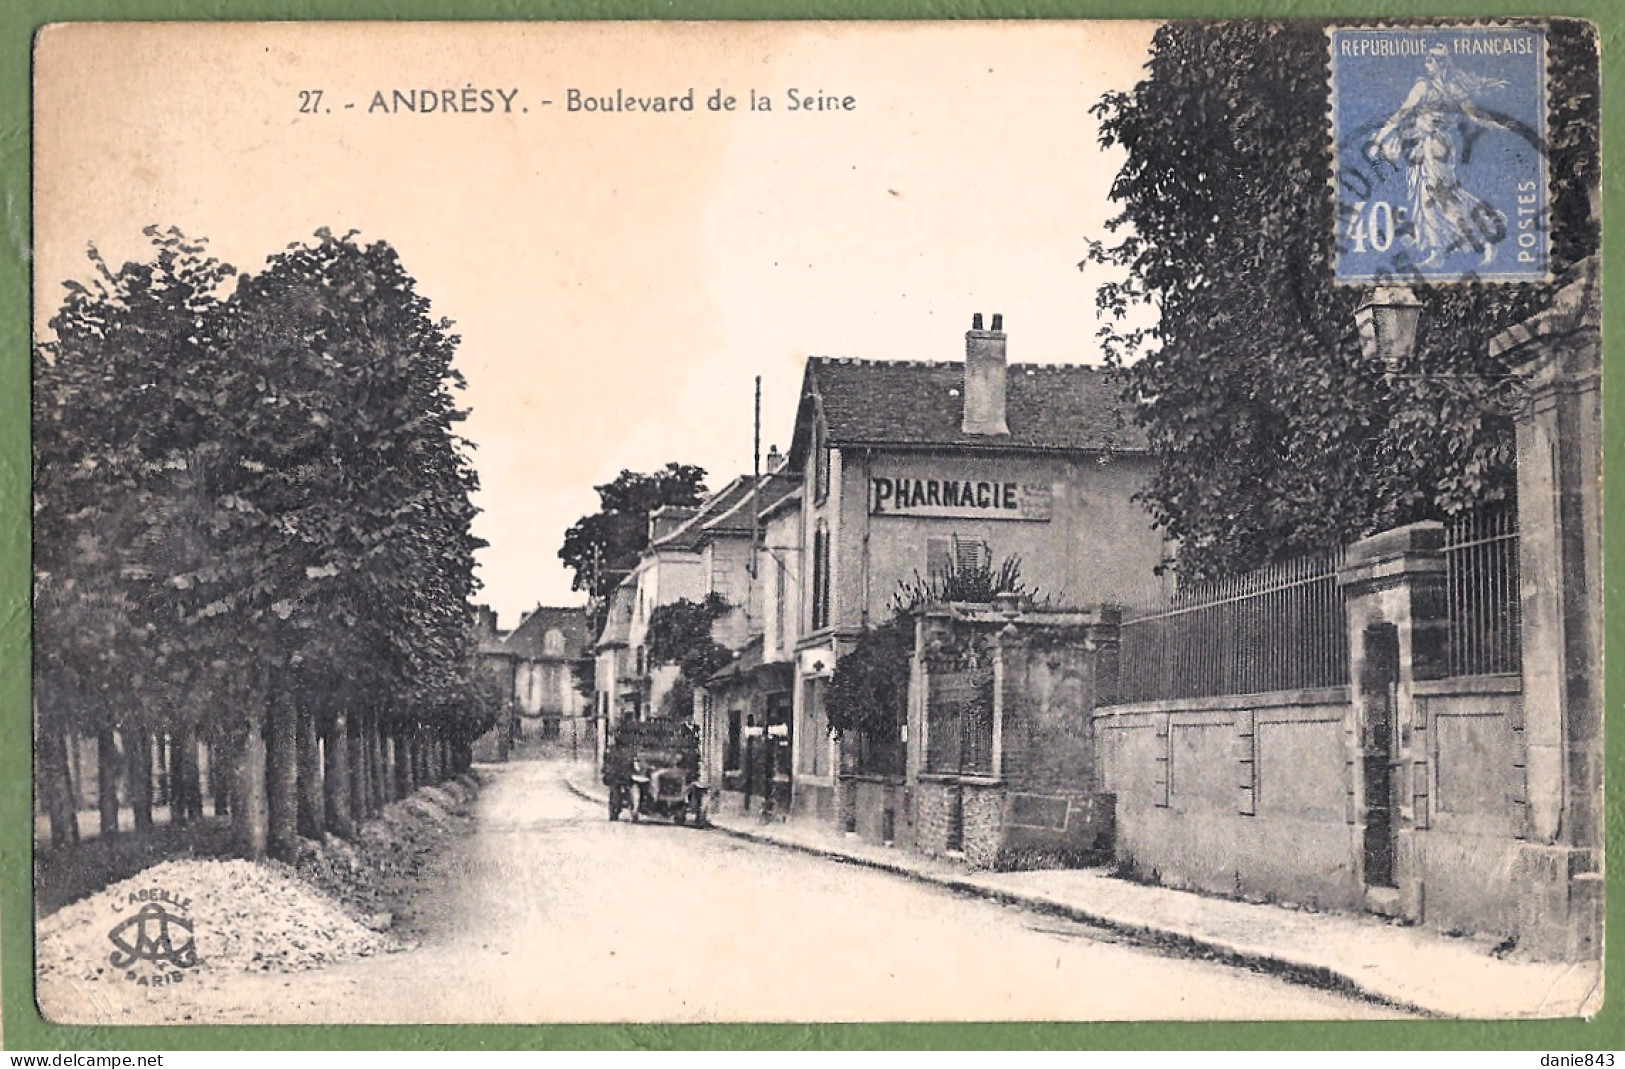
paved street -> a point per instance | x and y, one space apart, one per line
552 913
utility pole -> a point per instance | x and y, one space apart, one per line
755 482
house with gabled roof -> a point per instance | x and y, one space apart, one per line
547 646
910 468
693 551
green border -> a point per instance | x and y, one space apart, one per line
23 1029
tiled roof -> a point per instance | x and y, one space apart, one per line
689 534
737 518
726 512
618 618
529 638
921 403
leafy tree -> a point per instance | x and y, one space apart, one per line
373 554
1273 434
868 693
603 548
680 634
253 526
125 395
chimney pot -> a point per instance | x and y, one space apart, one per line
985 370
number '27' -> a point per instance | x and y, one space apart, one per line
310 101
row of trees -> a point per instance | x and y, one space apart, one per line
1274 434
252 533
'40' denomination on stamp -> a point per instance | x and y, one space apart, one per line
1439 137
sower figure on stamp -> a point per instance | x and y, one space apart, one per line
1424 133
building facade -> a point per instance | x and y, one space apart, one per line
911 469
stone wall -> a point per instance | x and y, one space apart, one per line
1245 796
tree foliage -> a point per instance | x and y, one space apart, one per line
868 694
1274 435
680 634
602 548
252 502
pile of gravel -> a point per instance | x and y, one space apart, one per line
244 916
377 875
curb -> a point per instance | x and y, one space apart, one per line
1307 974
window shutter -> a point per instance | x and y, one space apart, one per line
971 555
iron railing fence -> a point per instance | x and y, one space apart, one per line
1482 593
1280 627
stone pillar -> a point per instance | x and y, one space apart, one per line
1394 588
1559 356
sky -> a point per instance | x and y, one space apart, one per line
618 279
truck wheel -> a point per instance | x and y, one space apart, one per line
680 817
614 808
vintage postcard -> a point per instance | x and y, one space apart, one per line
830 522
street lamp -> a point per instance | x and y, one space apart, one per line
1387 323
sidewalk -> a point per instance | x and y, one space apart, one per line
1408 968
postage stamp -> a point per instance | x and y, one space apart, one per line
1439 136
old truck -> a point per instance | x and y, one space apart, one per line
652 769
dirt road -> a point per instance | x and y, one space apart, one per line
550 913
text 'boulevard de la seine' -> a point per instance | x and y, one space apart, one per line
471 99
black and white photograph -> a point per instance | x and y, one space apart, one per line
714 522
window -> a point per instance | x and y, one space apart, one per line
820 468
730 754
820 576
553 642
781 594
962 555
959 719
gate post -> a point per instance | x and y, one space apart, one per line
1558 353
1394 588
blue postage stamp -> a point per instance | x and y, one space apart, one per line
1439 154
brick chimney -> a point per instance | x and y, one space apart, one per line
984 378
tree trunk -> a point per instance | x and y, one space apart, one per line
180 798
107 761
376 778
358 766
312 807
76 772
244 755
161 783
337 754
138 769
396 760
282 777
185 782
57 786
220 773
